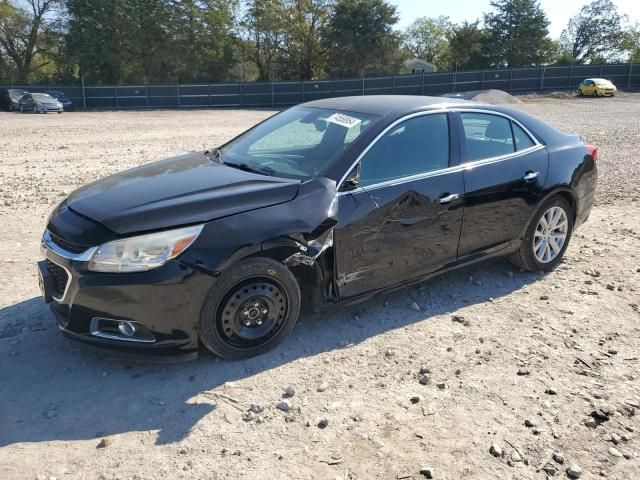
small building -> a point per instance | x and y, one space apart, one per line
416 66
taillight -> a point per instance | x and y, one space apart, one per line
593 151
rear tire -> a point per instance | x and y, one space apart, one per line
532 255
252 307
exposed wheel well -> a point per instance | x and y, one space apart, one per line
307 274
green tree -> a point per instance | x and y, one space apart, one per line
467 47
360 38
127 41
25 33
427 39
519 33
595 33
263 29
201 39
96 34
303 52
631 43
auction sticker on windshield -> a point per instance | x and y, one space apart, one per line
344 120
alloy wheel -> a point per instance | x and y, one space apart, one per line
550 235
252 312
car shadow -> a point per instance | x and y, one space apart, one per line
55 389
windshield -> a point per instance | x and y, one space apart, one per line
301 142
43 97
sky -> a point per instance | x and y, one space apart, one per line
558 11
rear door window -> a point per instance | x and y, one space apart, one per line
487 135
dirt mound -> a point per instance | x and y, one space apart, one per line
493 97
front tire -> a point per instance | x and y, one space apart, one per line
252 307
547 237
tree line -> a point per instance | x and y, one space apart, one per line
170 41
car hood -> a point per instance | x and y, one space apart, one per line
178 191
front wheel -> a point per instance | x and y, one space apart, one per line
252 307
547 237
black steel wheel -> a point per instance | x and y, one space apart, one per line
252 307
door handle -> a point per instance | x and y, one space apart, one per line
448 197
530 176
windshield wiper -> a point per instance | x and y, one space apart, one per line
247 168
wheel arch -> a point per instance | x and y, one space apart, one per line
563 192
307 268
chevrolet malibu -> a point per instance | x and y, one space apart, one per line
326 203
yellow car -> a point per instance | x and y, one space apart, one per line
597 87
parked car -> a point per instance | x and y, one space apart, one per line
39 103
324 204
597 87
62 98
10 98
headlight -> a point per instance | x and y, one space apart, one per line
142 253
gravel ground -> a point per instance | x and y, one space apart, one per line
499 375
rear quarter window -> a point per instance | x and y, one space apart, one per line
521 138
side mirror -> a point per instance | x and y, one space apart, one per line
352 181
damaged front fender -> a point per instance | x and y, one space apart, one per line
296 233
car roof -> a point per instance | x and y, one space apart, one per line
387 104
598 79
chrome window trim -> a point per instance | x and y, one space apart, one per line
500 114
463 166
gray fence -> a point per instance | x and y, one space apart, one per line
279 94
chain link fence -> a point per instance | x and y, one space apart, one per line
282 94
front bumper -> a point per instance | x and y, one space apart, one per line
163 304
51 108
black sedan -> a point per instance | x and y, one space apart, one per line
327 203
10 99
62 98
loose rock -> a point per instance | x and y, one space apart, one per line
289 392
495 450
284 405
574 471
105 442
615 452
426 472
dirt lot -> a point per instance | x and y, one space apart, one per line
545 350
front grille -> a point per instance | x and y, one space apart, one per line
68 246
60 277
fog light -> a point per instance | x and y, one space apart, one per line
126 329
